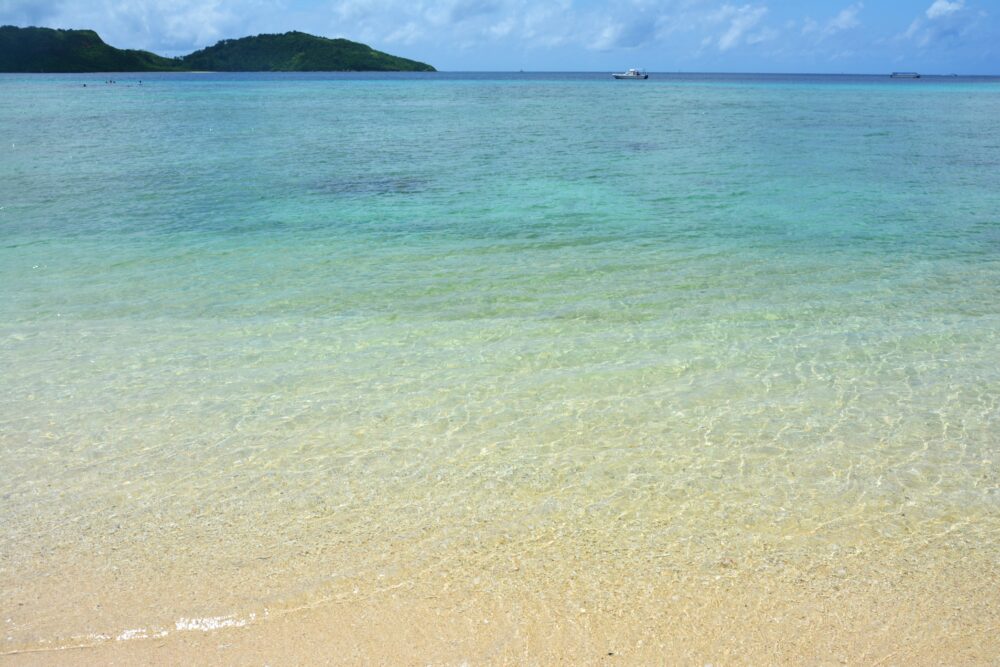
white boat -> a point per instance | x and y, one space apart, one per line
633 73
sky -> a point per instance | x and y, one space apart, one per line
861 36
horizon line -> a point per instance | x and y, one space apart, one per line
523 71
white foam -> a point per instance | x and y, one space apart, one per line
206 624
212 623
139 633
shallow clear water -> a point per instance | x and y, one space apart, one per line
262 333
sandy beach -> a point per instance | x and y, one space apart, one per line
499 609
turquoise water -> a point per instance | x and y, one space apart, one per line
263 334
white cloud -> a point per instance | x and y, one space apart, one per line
503 28
946 23
608 37
182 21
845 20
408 33
549 24
741 20
943 8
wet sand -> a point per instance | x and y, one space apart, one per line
737 611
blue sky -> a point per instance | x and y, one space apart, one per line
931 36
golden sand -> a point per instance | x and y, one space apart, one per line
878 606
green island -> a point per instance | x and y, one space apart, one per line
54 50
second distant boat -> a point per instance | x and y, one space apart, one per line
632 73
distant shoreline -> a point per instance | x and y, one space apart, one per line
57 51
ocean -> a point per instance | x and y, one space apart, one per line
275 341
